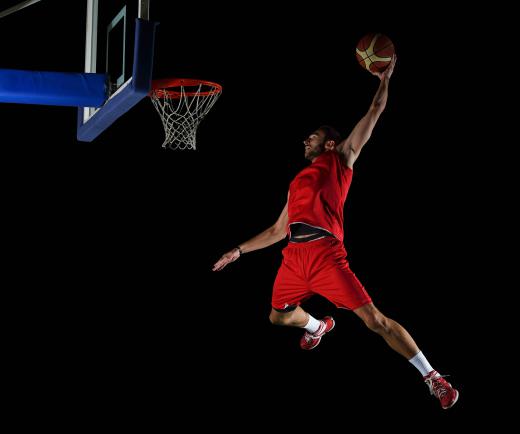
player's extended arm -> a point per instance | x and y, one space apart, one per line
272 235
352 145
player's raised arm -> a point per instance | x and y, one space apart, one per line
272 235
352 145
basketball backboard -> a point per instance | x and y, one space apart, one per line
119 42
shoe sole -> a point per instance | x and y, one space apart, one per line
454 401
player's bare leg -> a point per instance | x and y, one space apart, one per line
392 332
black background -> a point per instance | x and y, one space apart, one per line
115 308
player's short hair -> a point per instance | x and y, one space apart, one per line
330 133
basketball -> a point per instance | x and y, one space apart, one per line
374 52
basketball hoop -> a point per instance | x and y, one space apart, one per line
182 103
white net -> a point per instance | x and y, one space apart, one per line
182 104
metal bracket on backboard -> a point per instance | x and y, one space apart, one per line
131 92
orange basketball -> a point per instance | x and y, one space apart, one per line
374 52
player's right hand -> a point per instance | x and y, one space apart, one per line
387 73
226 258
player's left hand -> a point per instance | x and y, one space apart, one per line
226 259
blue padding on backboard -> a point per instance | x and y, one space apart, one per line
131 94
52 88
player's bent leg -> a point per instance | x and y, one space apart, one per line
299 318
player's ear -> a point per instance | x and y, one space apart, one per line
330 144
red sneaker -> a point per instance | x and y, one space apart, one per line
311 340
441 389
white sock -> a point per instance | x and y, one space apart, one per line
420 362
313 325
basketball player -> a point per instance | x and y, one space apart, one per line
314 261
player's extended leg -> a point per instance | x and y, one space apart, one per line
400 340
392 332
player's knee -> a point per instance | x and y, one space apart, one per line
278 318
274 318
377 323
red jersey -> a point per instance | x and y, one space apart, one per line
317 194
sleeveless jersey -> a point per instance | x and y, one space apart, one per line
318 193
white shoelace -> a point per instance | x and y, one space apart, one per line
438 391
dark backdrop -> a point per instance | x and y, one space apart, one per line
114 301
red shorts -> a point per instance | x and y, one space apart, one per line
317 267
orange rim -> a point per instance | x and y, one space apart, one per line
164 87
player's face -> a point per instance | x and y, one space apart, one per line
314 145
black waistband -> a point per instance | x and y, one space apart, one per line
309 238
299 229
